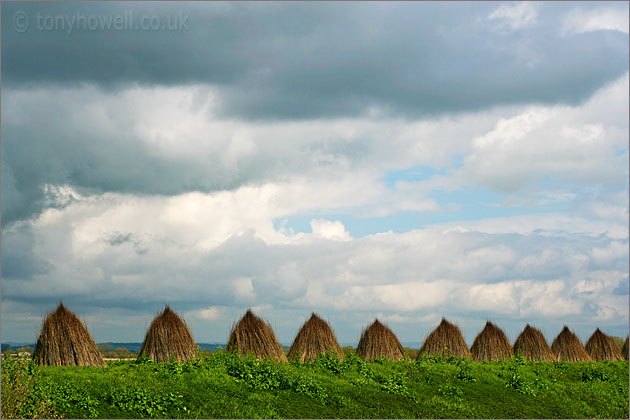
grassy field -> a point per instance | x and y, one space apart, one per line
225 385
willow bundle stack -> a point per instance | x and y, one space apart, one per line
491 345
602 347
567 347
252 335
314 338
168 338
65 341
379 341
532 345
446 340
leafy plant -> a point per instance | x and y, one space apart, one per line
143 360
465 372
145 402
359 381
561 366
23 393
450 390
176 368
593 373
64 397
330 362
308 386
268 375
517 360
353 361
396 384
516 381
259 374
446 357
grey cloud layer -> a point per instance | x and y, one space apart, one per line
314 60
99 142
274 61
167 141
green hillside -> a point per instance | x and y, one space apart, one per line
225 385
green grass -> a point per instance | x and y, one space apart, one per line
224 385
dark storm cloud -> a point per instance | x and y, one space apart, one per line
267 61
53 146
18 259
295 60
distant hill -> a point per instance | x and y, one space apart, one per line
211 347
111 345
136 346
10 345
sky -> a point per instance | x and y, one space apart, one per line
406 161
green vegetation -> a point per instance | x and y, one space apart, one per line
618 340
110 352
225 385
23 391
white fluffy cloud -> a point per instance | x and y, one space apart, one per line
581 20
578 144
330 230
210 313
117 249
516 15
612 252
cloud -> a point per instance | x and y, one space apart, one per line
284 283
18 260
572 143
406 296
545 223
547 299
309 61
210 313
498 298
613 252
397 318
515 16
604 210
611 307
582 20
169 140
419 274
330 230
